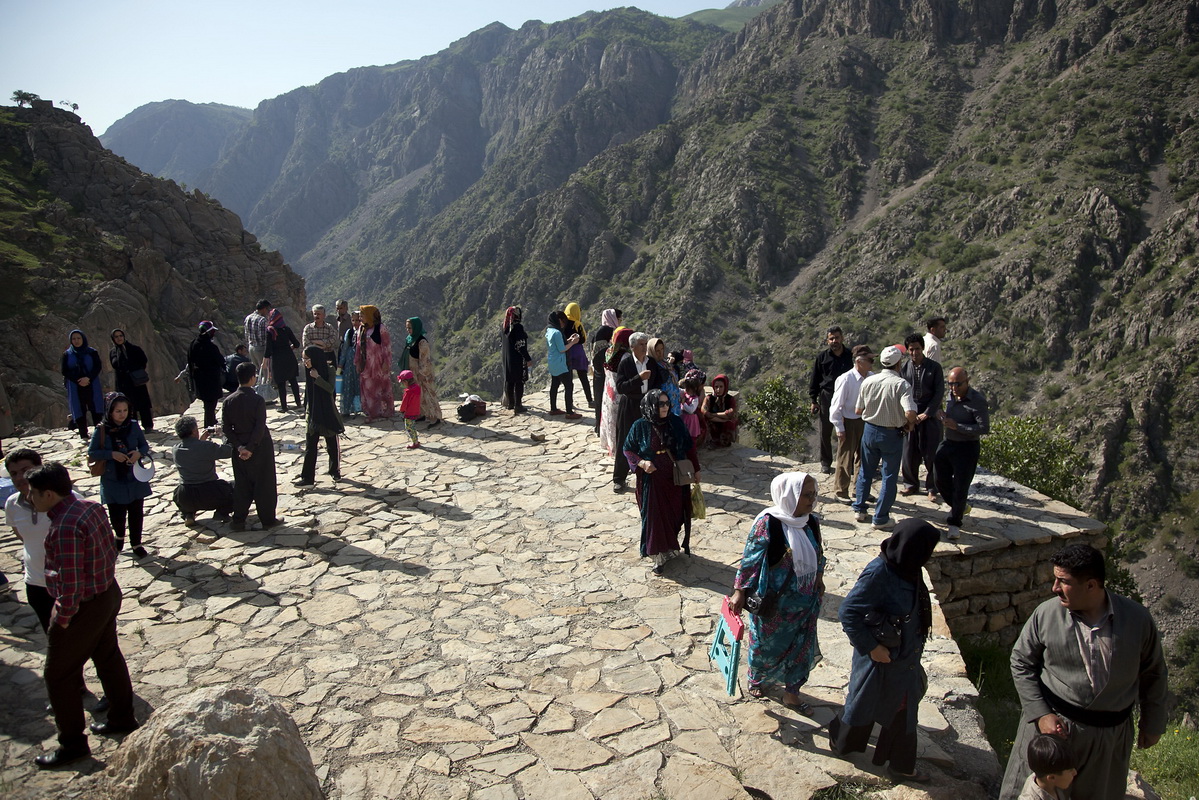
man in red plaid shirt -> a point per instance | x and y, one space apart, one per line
81 559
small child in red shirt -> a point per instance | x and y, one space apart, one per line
410 405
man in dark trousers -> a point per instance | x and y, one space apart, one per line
243 417
829 365
928 390
81 559
966 420
636 374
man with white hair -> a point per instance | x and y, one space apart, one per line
885 402
322 334
636 374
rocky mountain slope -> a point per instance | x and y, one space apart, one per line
174 138
90 241
1029 169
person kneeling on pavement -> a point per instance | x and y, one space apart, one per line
200 489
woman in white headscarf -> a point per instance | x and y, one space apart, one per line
783 564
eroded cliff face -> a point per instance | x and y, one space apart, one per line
91 242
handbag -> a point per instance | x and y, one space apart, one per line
265 388
139 377
97 467
886 628
699 509
684 471
761 603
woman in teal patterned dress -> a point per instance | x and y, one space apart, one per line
784 557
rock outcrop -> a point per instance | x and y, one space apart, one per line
92 242
223 741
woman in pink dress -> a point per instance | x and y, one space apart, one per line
374 366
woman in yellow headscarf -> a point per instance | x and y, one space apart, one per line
576 356
374 366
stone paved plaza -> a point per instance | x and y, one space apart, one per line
472 620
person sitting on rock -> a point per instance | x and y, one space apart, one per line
200 488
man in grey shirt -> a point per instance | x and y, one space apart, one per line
966 420
200 489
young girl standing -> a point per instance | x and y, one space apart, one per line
410 405
119 442
323 419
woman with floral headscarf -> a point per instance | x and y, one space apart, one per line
616 351
887 683
80 377
120 443
576 355
418 357
655 442
374 366
670 383
516 360
784 558
281 345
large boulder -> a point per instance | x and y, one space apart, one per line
223 741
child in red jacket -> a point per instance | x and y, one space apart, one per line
410 405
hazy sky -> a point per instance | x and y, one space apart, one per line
111 56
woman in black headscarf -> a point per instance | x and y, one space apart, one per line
129 366
516 360
120 444
81 377
322 417
887 682
207 368
655 442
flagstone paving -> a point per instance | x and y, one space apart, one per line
471 620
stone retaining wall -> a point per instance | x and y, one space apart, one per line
990 581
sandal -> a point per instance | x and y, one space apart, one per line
801 707
756 692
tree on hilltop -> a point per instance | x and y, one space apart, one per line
68 104
22 98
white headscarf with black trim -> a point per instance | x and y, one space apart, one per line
785 490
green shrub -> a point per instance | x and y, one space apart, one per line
1028 451
779 417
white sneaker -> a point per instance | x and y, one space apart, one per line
954 532
863 516
885 525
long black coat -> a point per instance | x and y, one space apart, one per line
124 360
629 394
207 367
284 366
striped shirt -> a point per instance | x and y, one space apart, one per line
884 398
81 555
323 336
255 330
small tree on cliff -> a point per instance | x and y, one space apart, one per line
68 104
23 98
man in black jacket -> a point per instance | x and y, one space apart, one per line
243 417
829 365
928 388
636 374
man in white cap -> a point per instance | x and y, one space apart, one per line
885 402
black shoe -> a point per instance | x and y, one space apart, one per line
618 487
61 757
107 728
222 517
335 476
272 523
238 525
189 520
101 706
303 482
139 553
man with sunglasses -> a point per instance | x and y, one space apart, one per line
966 420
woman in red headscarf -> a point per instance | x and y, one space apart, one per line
720 413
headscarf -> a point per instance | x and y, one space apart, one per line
652 346
721 403
619 346
275 323
575 314
513 314
555 320
117 435
649 411
609 318
418 331
372 319
317 356
81 349
785 490
906 551
113 337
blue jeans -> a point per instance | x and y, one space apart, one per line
883 445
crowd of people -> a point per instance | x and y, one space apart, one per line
652 409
